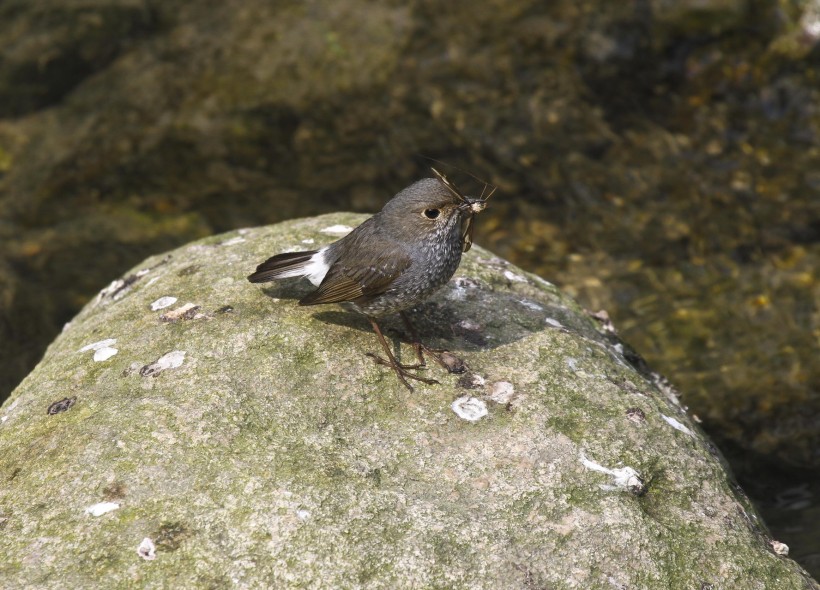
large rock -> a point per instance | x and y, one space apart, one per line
230 438
658 142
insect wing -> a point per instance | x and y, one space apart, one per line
450 186
467 235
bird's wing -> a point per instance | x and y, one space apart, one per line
349 282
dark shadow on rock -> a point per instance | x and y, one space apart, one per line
349 319
432 333
468 315
289 289
391 326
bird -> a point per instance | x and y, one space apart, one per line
391 262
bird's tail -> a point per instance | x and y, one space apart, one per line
289 264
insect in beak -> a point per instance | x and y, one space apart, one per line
471 205
478 205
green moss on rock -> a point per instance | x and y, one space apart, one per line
264 449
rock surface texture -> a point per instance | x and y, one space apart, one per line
191 430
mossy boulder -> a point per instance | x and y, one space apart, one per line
191 430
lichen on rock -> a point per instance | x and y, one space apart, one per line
252 444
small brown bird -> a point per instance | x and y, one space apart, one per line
391 262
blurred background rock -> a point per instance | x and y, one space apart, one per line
658 159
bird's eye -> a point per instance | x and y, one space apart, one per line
431 213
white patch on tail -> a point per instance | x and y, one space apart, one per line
314 269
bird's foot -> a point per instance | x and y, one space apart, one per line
403 371
444 358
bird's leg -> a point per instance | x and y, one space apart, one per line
446 359
379 360
418 347
400 370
